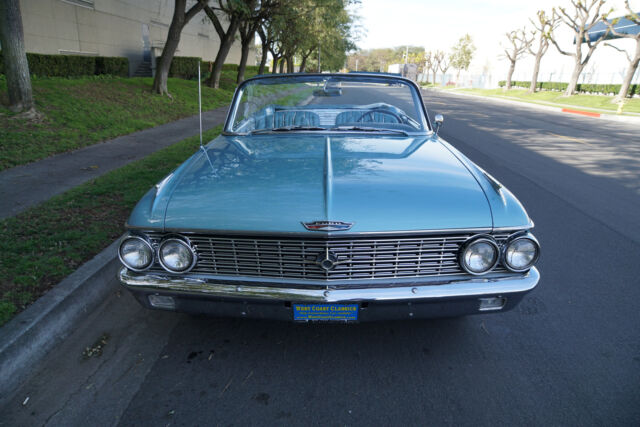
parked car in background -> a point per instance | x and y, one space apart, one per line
346 207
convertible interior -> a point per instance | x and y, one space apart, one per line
380 115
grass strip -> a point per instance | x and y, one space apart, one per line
43 245
586 102
82 111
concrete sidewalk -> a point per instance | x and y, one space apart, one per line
25 186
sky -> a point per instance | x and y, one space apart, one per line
439 24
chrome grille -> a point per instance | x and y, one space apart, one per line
357 258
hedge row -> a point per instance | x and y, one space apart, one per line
607 89
186 67
73 65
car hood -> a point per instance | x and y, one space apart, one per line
273 183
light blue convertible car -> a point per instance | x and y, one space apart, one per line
329 197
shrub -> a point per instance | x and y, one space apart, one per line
61 65
112 65
73 65
604 89
229 67
184 67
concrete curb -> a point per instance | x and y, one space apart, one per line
603 116
28 337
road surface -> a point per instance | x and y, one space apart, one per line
569 354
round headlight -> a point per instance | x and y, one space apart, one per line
136 253
521 253
479 256
176 255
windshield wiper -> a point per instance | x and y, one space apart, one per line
369 129
286 129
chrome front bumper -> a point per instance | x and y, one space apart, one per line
253 299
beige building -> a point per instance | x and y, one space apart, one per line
136 29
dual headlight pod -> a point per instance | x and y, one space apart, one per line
173 253
481 254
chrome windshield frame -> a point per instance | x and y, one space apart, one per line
362 77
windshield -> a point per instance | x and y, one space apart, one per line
316 103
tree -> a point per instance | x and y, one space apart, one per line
179 20
235 11
445 64
264 50
586 14
438 57
520 44
257 13
428 63
462 54
543 26
633 60
16 67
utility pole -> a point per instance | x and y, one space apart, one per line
356 64
319 70
406 55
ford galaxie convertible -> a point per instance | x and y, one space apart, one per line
329 197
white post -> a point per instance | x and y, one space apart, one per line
199 103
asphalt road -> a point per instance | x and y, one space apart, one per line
569 354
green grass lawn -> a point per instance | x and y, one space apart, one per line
46 243
82 111
597 102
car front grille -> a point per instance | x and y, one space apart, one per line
354 258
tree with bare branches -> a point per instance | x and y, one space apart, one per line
445 64
438 57
585 15
633 60
181 17
428 63
234 11
520 42
544 25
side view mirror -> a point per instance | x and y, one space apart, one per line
438 119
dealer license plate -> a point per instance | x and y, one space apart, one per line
325 312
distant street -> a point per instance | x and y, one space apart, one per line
568 355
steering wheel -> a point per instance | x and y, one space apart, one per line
370 113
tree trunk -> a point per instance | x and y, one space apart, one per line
225 46
243 60
512 68
536 71
274 64
434 77
170 47
303 64
290 65
16 67
263 60
281 70
573 83
631 70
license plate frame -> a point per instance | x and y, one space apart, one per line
325 312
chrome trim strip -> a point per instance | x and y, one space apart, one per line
514 229
472 288
313 235
328 178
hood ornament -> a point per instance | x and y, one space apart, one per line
328 225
